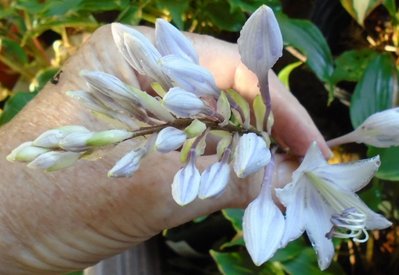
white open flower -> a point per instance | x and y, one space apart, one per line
128 164
251 154
169 139
260 43
320 196
170 40
183 103
186 183
189 76
214 180
380 130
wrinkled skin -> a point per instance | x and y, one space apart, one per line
70 219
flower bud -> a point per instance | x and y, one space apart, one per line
75 142
51 138
26 152
260 43
189 76
108 137
380 129
169 139
170 40
128 164
139 52
250 155
109 85
186 184
54 160
183 103
214 180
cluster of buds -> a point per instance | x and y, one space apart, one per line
187 108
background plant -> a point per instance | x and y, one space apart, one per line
358 79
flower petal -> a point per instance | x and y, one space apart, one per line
317 220
350 176
186 184
313 158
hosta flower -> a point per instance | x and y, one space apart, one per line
260 43
186 183
170 40
54 160
26 152
380 130
263 223
183 103
251 154
214 180
128 164
321 199
189 76
139 52
51 138
169 139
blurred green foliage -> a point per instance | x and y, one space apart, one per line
36 37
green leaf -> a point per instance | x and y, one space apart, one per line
234 215
375 90
30 6
239 263
360 9
290 252
96 6
12 51
221 15
389 169
60 7
350 65
14 104
304 263
306 37
41 79
284 74
251 6
390 5
372 195
131 15
177 9
237 240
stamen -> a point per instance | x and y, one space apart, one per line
349 224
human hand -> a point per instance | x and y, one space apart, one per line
70 219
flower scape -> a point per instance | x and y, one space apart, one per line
320 199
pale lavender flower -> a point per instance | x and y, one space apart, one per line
189 76
318 198
183 103
214 180
263 223
260 43
170 40
54 160
128 164
251 154
170 139
380 130
186 183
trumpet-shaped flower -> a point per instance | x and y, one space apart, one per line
170 40
320 200
251 154
380 130
260 43
186 183
128 164
189 76
169 139
183 103
263 223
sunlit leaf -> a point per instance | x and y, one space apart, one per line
284 74
177 9
375 90
234 215
360 9
12 51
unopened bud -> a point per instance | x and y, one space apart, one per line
169 139
108 137
26 152
186 184
128 164
54 160
183 103
51 138
214 180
